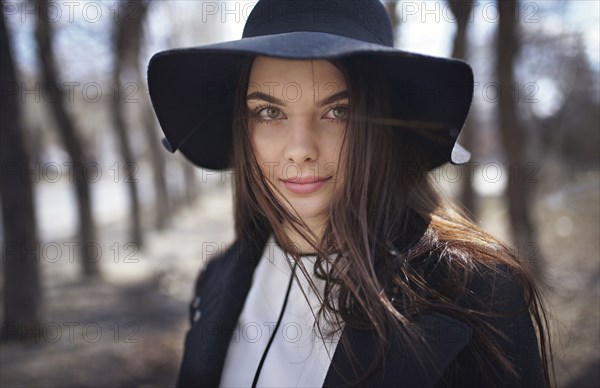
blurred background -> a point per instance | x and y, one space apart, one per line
103 231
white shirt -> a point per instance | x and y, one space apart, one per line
298 356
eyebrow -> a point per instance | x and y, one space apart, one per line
274 100
333 98
264 97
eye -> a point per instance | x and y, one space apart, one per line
267 113
271 112
339 112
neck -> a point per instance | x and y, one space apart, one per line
299 242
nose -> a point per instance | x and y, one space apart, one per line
302 143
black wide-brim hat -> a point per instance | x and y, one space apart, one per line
193 89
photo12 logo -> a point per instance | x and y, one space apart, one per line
54 172
72 332
55 252
70 92
444 12
72 11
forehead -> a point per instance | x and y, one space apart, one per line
277 72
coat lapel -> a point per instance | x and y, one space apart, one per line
443 339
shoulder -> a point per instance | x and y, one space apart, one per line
224 279
496 288
219 264
499 286
234 263
213 263
492 298
499 298
495 304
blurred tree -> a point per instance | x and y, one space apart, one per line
575 128
151 131
189 176
161 199
22 291
462 10
559 97
514 137
74 145
130 36
572 132
126 40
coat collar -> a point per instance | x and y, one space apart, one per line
225 291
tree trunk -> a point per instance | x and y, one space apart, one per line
69 136
20 250
157 158
151 132
126 48
191 190
461 11
514 137
128 168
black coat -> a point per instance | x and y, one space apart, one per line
224 282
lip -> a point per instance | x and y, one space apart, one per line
306 185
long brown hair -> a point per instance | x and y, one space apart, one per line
388 227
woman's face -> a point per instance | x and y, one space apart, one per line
298 112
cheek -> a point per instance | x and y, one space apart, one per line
333 148
265 150
258 142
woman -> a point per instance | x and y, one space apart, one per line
331 134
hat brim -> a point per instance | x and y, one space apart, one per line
193 91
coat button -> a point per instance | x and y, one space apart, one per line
196 302
197 315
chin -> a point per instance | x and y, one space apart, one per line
309 212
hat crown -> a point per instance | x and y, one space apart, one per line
365 20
